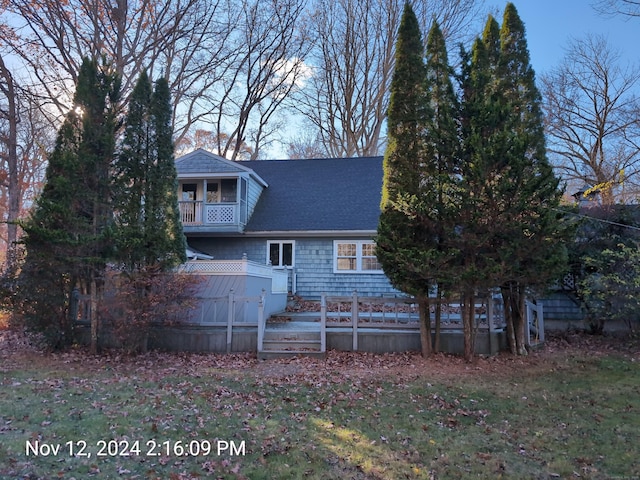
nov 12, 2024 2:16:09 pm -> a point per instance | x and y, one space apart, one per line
131 448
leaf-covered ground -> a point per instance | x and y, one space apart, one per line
569 410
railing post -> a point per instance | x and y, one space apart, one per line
74 305
323 323
230 317
490 320
261 323
529 321
354 319
540 321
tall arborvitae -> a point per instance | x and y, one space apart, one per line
512 229
439 203
130 180
482 122
534 251
399 229
406 115
171 248
145 184
68 235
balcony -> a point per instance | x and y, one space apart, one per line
198 216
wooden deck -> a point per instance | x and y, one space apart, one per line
377 325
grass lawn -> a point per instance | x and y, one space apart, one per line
570 410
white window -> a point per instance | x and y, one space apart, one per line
281 253
355 256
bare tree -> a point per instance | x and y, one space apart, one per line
347 97
268 65
181 39
9 155
24 140
630 8
592 119
210 141
305 145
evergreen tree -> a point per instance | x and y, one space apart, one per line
484 140
68 234
533 252
145 184
512 229
171 248
406 115
148 229
399 230
437 208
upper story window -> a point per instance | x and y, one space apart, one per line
229 190
213 191
280 253
355 256
222 191
189 191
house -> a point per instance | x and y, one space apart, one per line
260 230
313 219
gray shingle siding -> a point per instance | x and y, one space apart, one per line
315 276
254 190
201 161
232 248
313 265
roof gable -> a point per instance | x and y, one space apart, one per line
200 163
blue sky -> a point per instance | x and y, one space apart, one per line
550 24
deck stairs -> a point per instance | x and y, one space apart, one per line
292 334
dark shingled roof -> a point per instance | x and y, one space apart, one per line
316 195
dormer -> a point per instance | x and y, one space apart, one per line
216 194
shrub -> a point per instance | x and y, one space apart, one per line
610 290
135 302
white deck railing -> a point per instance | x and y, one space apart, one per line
200 213
279 278
362 312
229 267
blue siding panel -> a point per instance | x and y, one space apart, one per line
315 276
313 265
254 190
231 248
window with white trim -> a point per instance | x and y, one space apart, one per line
281 253
355 256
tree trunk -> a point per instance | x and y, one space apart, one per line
438 312
508 319
93 312
467 324
425 326
13 190
513 298
520 320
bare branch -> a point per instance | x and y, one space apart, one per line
346 100
591 117
609 8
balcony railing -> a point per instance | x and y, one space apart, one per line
200 213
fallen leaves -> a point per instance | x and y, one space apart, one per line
402 410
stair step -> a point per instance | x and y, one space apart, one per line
286 317
293 326
270 354
293 336
298 345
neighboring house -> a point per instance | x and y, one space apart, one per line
316 219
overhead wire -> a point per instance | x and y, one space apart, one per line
602 220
